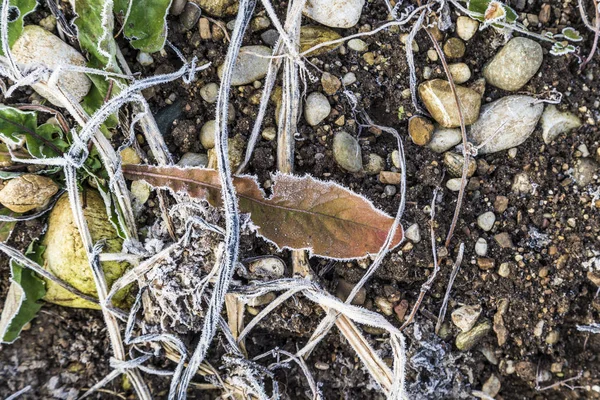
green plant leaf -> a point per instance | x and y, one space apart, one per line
302 213
21 304
572 34
560 49
491 10
145 26
95 23
6 227
17 11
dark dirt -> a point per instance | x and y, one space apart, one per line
67 349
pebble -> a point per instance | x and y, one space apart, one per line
270 37
492 386
347 152
27 192
526 370
439 101
144 59
486 221
48 23
268 268
375 164
384 305
140 190
594 277
505 123
504 270
207 134
454 48
460 72
349 78
443 139
485 263
500 204
466 27
465 317
481 247
38 46
321 365
465 341
390 178
331 84
193 160
555 123
539 328
311 36
432 55
260 23
420 130
218 8
413 233
396 158
584 171
316 108
177 7
249 67
190 16
521 183
269 133
129 156
454 164
210 92
504 241
404 39
453 184
343 290
515 64
389 190
204 29
335 13
261 300
358 45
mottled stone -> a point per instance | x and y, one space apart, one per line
440 102
515 64
347 152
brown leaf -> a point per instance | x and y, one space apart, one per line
302 213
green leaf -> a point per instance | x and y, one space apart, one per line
95 99
95 23
14 124
571 34
560 49
145 26
21 305
492 10
6 227
18 10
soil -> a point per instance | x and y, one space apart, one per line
554 231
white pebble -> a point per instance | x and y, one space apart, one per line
486 221
481 247
413 233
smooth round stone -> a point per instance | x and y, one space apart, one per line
375 164
504 270
218 8
311 36
432 55
207 134
453 184
316 109
460 72
443 139
334 13
349 78
358 45
269 133
144 59
420 130
190 16
515 64
38 46
555 123
193 160
177 7
251 65
584 171
505 123
486 221
492 386
270 37
454 164
140 190
210 92
466 27
454 48
413 233
347 152
481 247
389 190
440 102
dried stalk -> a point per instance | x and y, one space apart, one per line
455 268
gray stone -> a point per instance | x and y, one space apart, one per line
193 160
144 59
267 268
389 190
466 27
504 270
358 45
440 102
375 164
210 92
515 64
584 171
349 78
251 65
453 184
481 247
505 123
270 37
335 13
347 152
465 317
177 7
316 109
190 16
492 386
555 123
444 139
207 134
413 233
521 183
486 221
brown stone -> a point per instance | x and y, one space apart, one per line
503 239
331 84
454 48
420 130
454 163
485 263
500 204
390 178
204 28
544 15
440 102
594 276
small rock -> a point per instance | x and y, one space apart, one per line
526 370
140 191
454 163
454 48
269 133
485 263
499 327
343 291
261 300
38 46
193 160
384 305
390 178
267 268
210 92
144 59
443 139
404 39
129 156
270 37
584 171
48 23
466 27
465 317
331 84
539 328
492 386
358 45
515 64
413 233
504 270
396 158
321 365
389 190
552 337
503 239
454 184
190 16
420 130
555 122
432 55
177 7
439 101
594 277
218 8
544 15
260 23
500 204
347 152
349 78
207 134
467 340
316 109
204 29
251 65
505 123
481 247
27 192
486 221
311 35
335 13
521 183
375 164
460 72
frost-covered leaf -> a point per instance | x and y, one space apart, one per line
572 34
6 227
492 10
18 9
22 301
145 25
560 49
95 24
302 212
